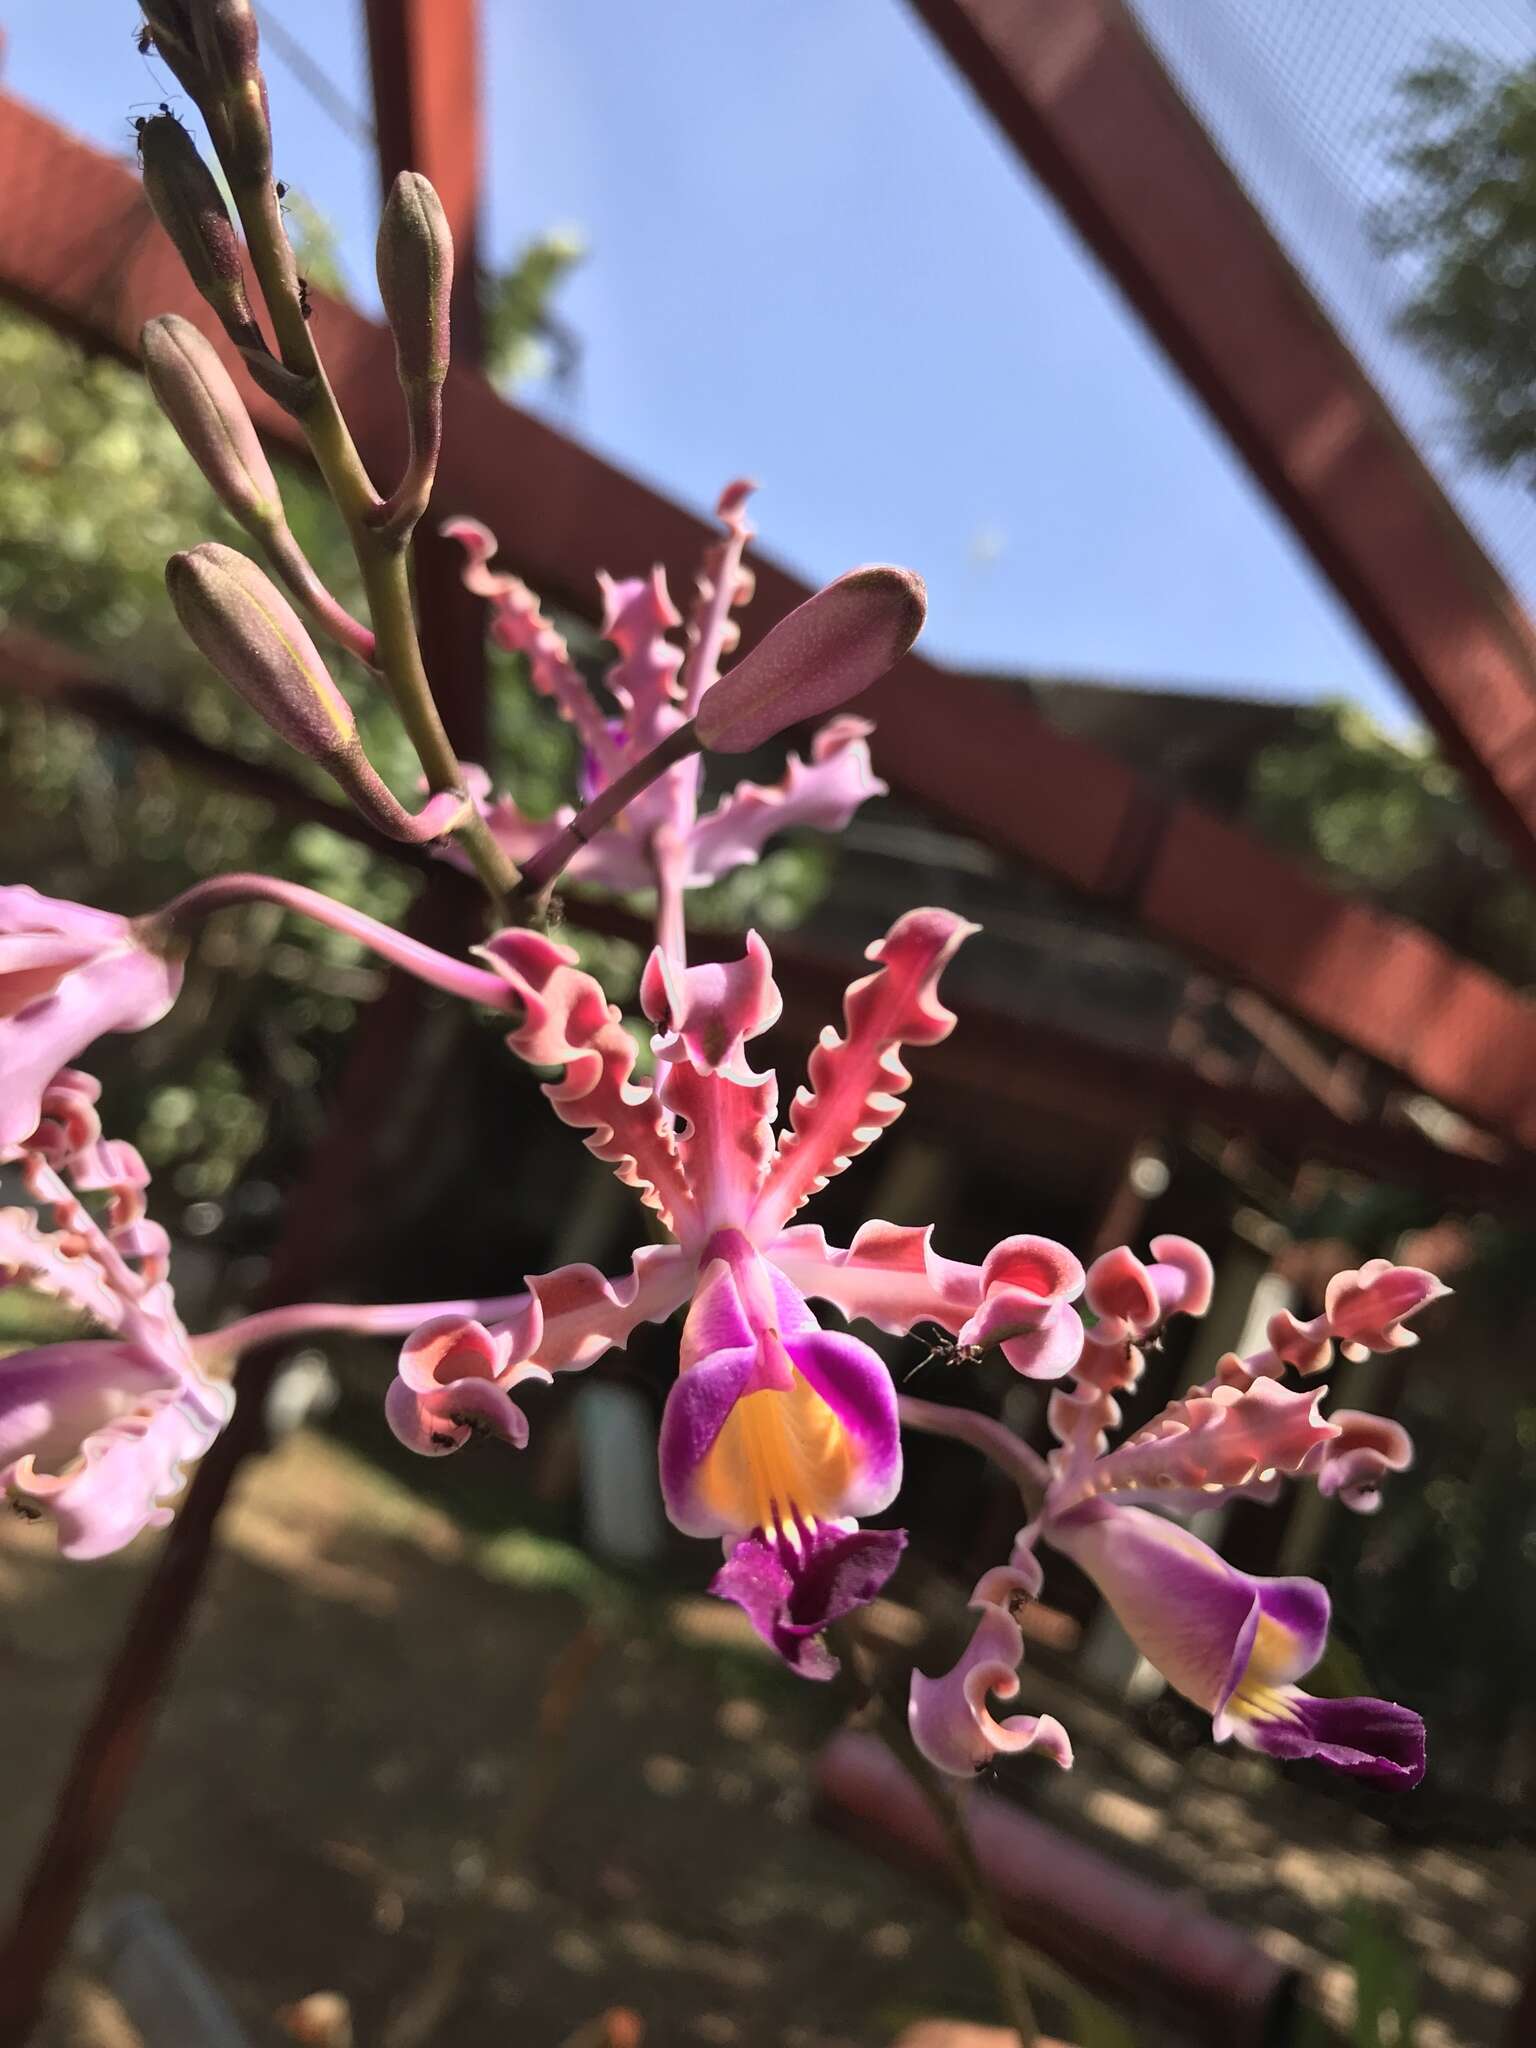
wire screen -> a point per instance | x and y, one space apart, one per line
1304 100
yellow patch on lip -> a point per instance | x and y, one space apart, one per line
782 1454
1262 1693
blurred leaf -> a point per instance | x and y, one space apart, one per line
523 337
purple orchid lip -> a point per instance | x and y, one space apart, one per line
793 1584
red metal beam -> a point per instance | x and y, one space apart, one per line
1091 111
425 58
77 246
977 1081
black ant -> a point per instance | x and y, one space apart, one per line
304 305
281 189
142 121
945 1351
144 37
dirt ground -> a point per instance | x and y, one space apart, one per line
357 1787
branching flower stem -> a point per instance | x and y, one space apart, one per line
382 556
437 970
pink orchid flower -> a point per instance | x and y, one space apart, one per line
1234 1644
96 1432
661 839
68 975
778 1435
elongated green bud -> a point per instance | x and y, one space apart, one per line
827 650
198 396
415 262
190 207
247 629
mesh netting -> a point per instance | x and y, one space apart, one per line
1301 97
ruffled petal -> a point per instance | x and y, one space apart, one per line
570 1023
822 795
1028 1284
520 626
857 1079
705 1015
721 583
1351 1467
1207 1444
454 1381
1142 1298
96 1434
950 1720
1365 1310
889 1276
68 975
581 1313
55 1262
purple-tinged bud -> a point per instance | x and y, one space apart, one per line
247 629
228 45
190 207
169 22
198 396
415 262
828 649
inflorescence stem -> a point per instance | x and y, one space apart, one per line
437 970
382 557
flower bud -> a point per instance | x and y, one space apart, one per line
415 263
169 22
228 43
251 634
828 649
198 396
189 206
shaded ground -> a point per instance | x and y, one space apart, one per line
386 1749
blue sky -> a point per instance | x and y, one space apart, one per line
812 261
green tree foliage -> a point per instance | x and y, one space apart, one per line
524 337
1465 216
1386 816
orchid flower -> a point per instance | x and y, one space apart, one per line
661 840
1234 1644
68 974
96 1431
778 1436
